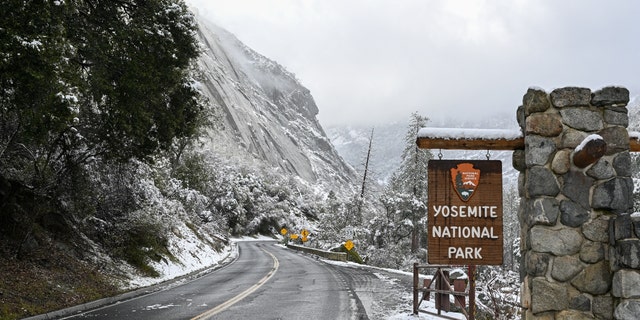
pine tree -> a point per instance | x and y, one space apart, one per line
411 178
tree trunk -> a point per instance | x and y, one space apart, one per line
364 180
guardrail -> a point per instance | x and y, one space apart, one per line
338 256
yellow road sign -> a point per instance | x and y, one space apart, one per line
294 236
349 245
283 231
304 233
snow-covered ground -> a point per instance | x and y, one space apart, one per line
192 256
389 295
193 253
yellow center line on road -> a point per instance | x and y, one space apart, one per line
244 294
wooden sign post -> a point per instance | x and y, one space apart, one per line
465 212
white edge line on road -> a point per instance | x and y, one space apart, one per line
244 294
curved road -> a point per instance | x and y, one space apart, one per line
265 282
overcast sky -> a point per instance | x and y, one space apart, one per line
373 61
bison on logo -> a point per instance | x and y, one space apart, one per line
465 180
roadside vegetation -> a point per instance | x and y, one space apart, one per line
100 159
49 281
87 96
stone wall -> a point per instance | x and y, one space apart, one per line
580 244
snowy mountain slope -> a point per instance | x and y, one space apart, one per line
352 142
266 111
389 141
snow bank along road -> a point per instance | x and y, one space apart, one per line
267 281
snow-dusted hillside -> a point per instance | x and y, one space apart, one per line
266 111
352 142
389 141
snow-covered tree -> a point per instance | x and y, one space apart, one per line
87 79
335 221
411 178
511 228
399 229
91 94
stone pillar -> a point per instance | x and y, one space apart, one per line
580 246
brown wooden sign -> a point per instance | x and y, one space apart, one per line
465 212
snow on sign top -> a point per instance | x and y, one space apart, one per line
463 133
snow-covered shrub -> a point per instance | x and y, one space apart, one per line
387 257
498 292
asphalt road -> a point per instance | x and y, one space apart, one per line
267 281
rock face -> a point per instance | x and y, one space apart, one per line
265 111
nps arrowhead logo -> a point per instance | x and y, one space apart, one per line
465 180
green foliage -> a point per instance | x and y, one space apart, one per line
81 79
135 58
87 88
98 111
194 172
35 113
142 243
33 51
